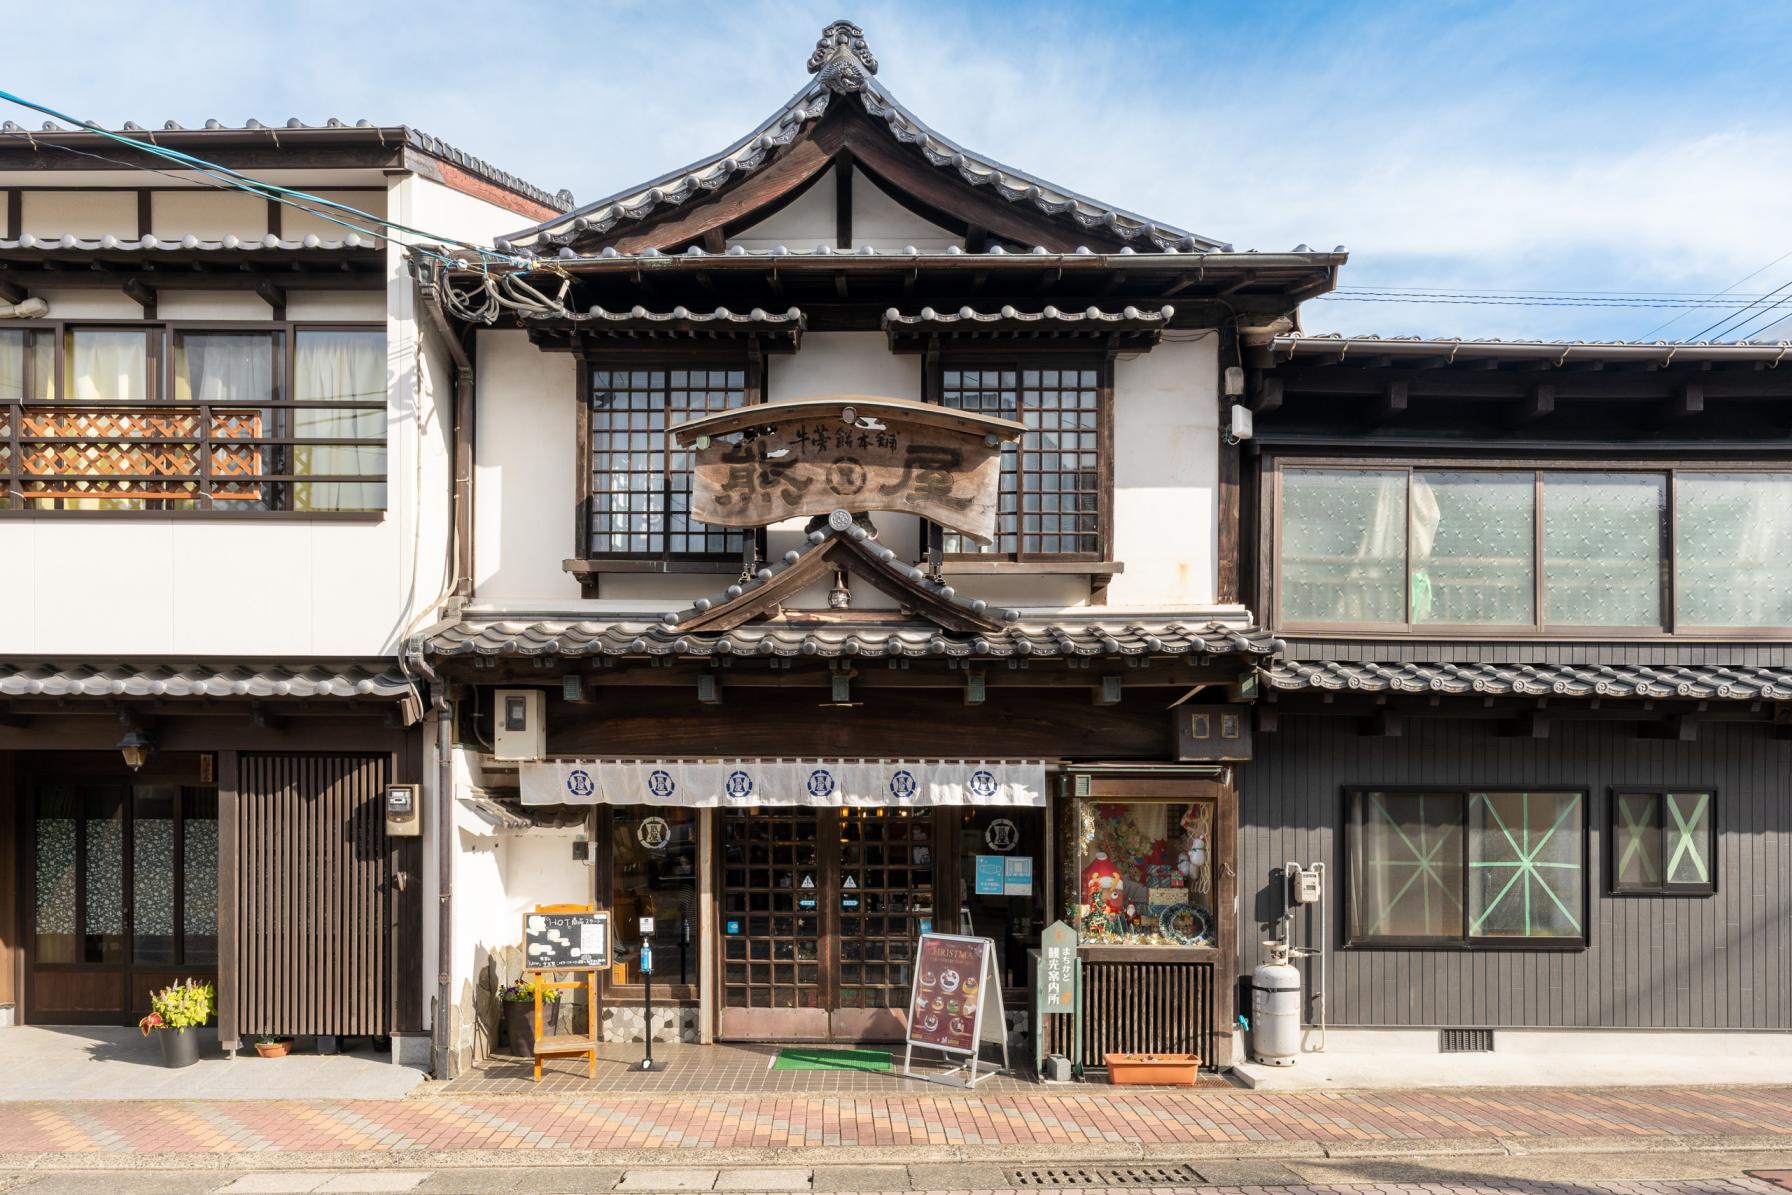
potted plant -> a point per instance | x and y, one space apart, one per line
269 1046
176 1015
519 1014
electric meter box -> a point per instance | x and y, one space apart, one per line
1305 882
404 814
520 725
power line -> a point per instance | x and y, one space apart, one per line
1727 323
1726 290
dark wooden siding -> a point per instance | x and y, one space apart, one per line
1721 962
11 920
311 896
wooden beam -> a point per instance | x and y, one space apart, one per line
139 292
1540 403
1529 724
1269 396
1384 723
843 199
273 295
263 718
12 292
1678 728
1688 400
1391 404
798 166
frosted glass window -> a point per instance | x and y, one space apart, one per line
27 369
1405 865
1605 536
1343 545
1662 843
1473 539
1525 865
1733 563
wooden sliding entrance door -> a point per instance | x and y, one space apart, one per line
819 914
120 883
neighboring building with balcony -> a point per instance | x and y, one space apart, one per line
224 476
1532 710
794 742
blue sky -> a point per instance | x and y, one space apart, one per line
1563 147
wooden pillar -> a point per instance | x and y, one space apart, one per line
708 940
12 930
229 948
1223 851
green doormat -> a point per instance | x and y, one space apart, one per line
803 1058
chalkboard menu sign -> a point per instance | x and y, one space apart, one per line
955 979
566 941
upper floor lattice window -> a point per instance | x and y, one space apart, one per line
638 492
1055 482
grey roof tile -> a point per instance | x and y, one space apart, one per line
1702 681
1037 639
843 68
111 244
201 680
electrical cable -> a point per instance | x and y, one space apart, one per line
1726 290
1726 323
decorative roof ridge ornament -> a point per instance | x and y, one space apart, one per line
842 58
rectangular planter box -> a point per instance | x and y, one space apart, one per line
1158 1070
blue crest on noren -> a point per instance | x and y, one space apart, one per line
739 786
660 784
821 782
579 783
983 783
902 785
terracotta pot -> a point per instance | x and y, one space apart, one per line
180 1047
273 1049
519 1022
1158 1070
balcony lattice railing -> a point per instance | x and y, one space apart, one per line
160 456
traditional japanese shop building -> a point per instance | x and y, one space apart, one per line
223 498
1532 711
928 616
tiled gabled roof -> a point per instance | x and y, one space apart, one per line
109 244
843 68
258 679
1058 638
1699 681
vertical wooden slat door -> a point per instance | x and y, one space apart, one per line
312 891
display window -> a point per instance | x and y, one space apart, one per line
1145 873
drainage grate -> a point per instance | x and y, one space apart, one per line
1465 1041
1103 1176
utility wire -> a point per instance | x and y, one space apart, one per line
1726 290
1727 323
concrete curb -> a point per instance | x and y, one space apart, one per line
829 1156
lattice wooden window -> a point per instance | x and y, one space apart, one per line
1056 483
639 496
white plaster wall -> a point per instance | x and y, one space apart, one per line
296 224
82 303
220 304
877 221
341 305
525 477
208 215
1166 457
86 214
1166 465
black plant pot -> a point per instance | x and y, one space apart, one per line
180 1047
519 1023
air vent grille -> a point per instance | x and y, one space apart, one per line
1465 1041
1103 1176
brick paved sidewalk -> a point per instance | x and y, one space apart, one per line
1047 1120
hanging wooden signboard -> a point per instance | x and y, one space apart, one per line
758 465
956 997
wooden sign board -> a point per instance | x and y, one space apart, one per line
955 997
566 941
760 465
1057 969
1213 732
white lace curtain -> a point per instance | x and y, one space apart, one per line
343 367
107 366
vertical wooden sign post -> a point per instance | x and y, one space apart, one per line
566 940
955 996
1057 991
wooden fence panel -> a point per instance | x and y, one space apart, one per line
1141 1008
